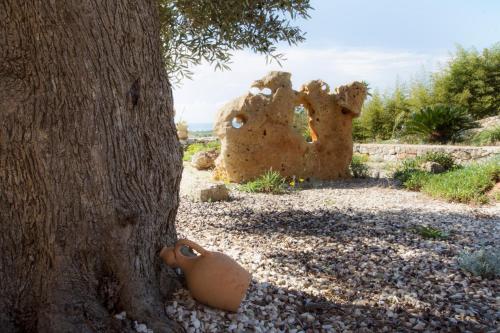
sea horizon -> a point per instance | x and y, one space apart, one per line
197 127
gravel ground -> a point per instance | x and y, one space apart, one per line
344 258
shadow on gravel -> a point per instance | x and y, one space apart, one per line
339 224
353 183
317 314
417 267
371 269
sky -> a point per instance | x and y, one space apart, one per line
379 42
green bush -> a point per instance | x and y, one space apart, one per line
487 137
269 182
197 147
358 166
440 123
406 169
461 184
416 180
444 159
410 172
484 262
466 185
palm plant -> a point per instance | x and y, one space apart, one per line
440 123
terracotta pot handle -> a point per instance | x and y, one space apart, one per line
190 244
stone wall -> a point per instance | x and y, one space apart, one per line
396 152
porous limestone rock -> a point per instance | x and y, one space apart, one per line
204 160
256 130
215 192
432 167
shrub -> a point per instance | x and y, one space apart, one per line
466 185
487 137
406 169
440 123
197 147
430 232
409 173
484 262
269 182
358 166
416 180
444 159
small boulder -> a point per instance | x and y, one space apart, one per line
432 167
204 160
217 192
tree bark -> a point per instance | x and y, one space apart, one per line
90 166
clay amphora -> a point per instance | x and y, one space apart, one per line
213 278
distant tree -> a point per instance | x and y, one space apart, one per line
373 122
396 110
209 30
420 94
471 80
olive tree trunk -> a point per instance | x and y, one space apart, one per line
90 166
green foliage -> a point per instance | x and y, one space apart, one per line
420 94
301 122
374 122
359 131
484 262
471 80
193 31
460 184
358 166
416 179
430 232
487 137
197 147
468 184
444 159
440 123
410 173
397 110
269 182
406 169
383 116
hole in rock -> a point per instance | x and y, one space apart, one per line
238 122
301 122
189 252
256 91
